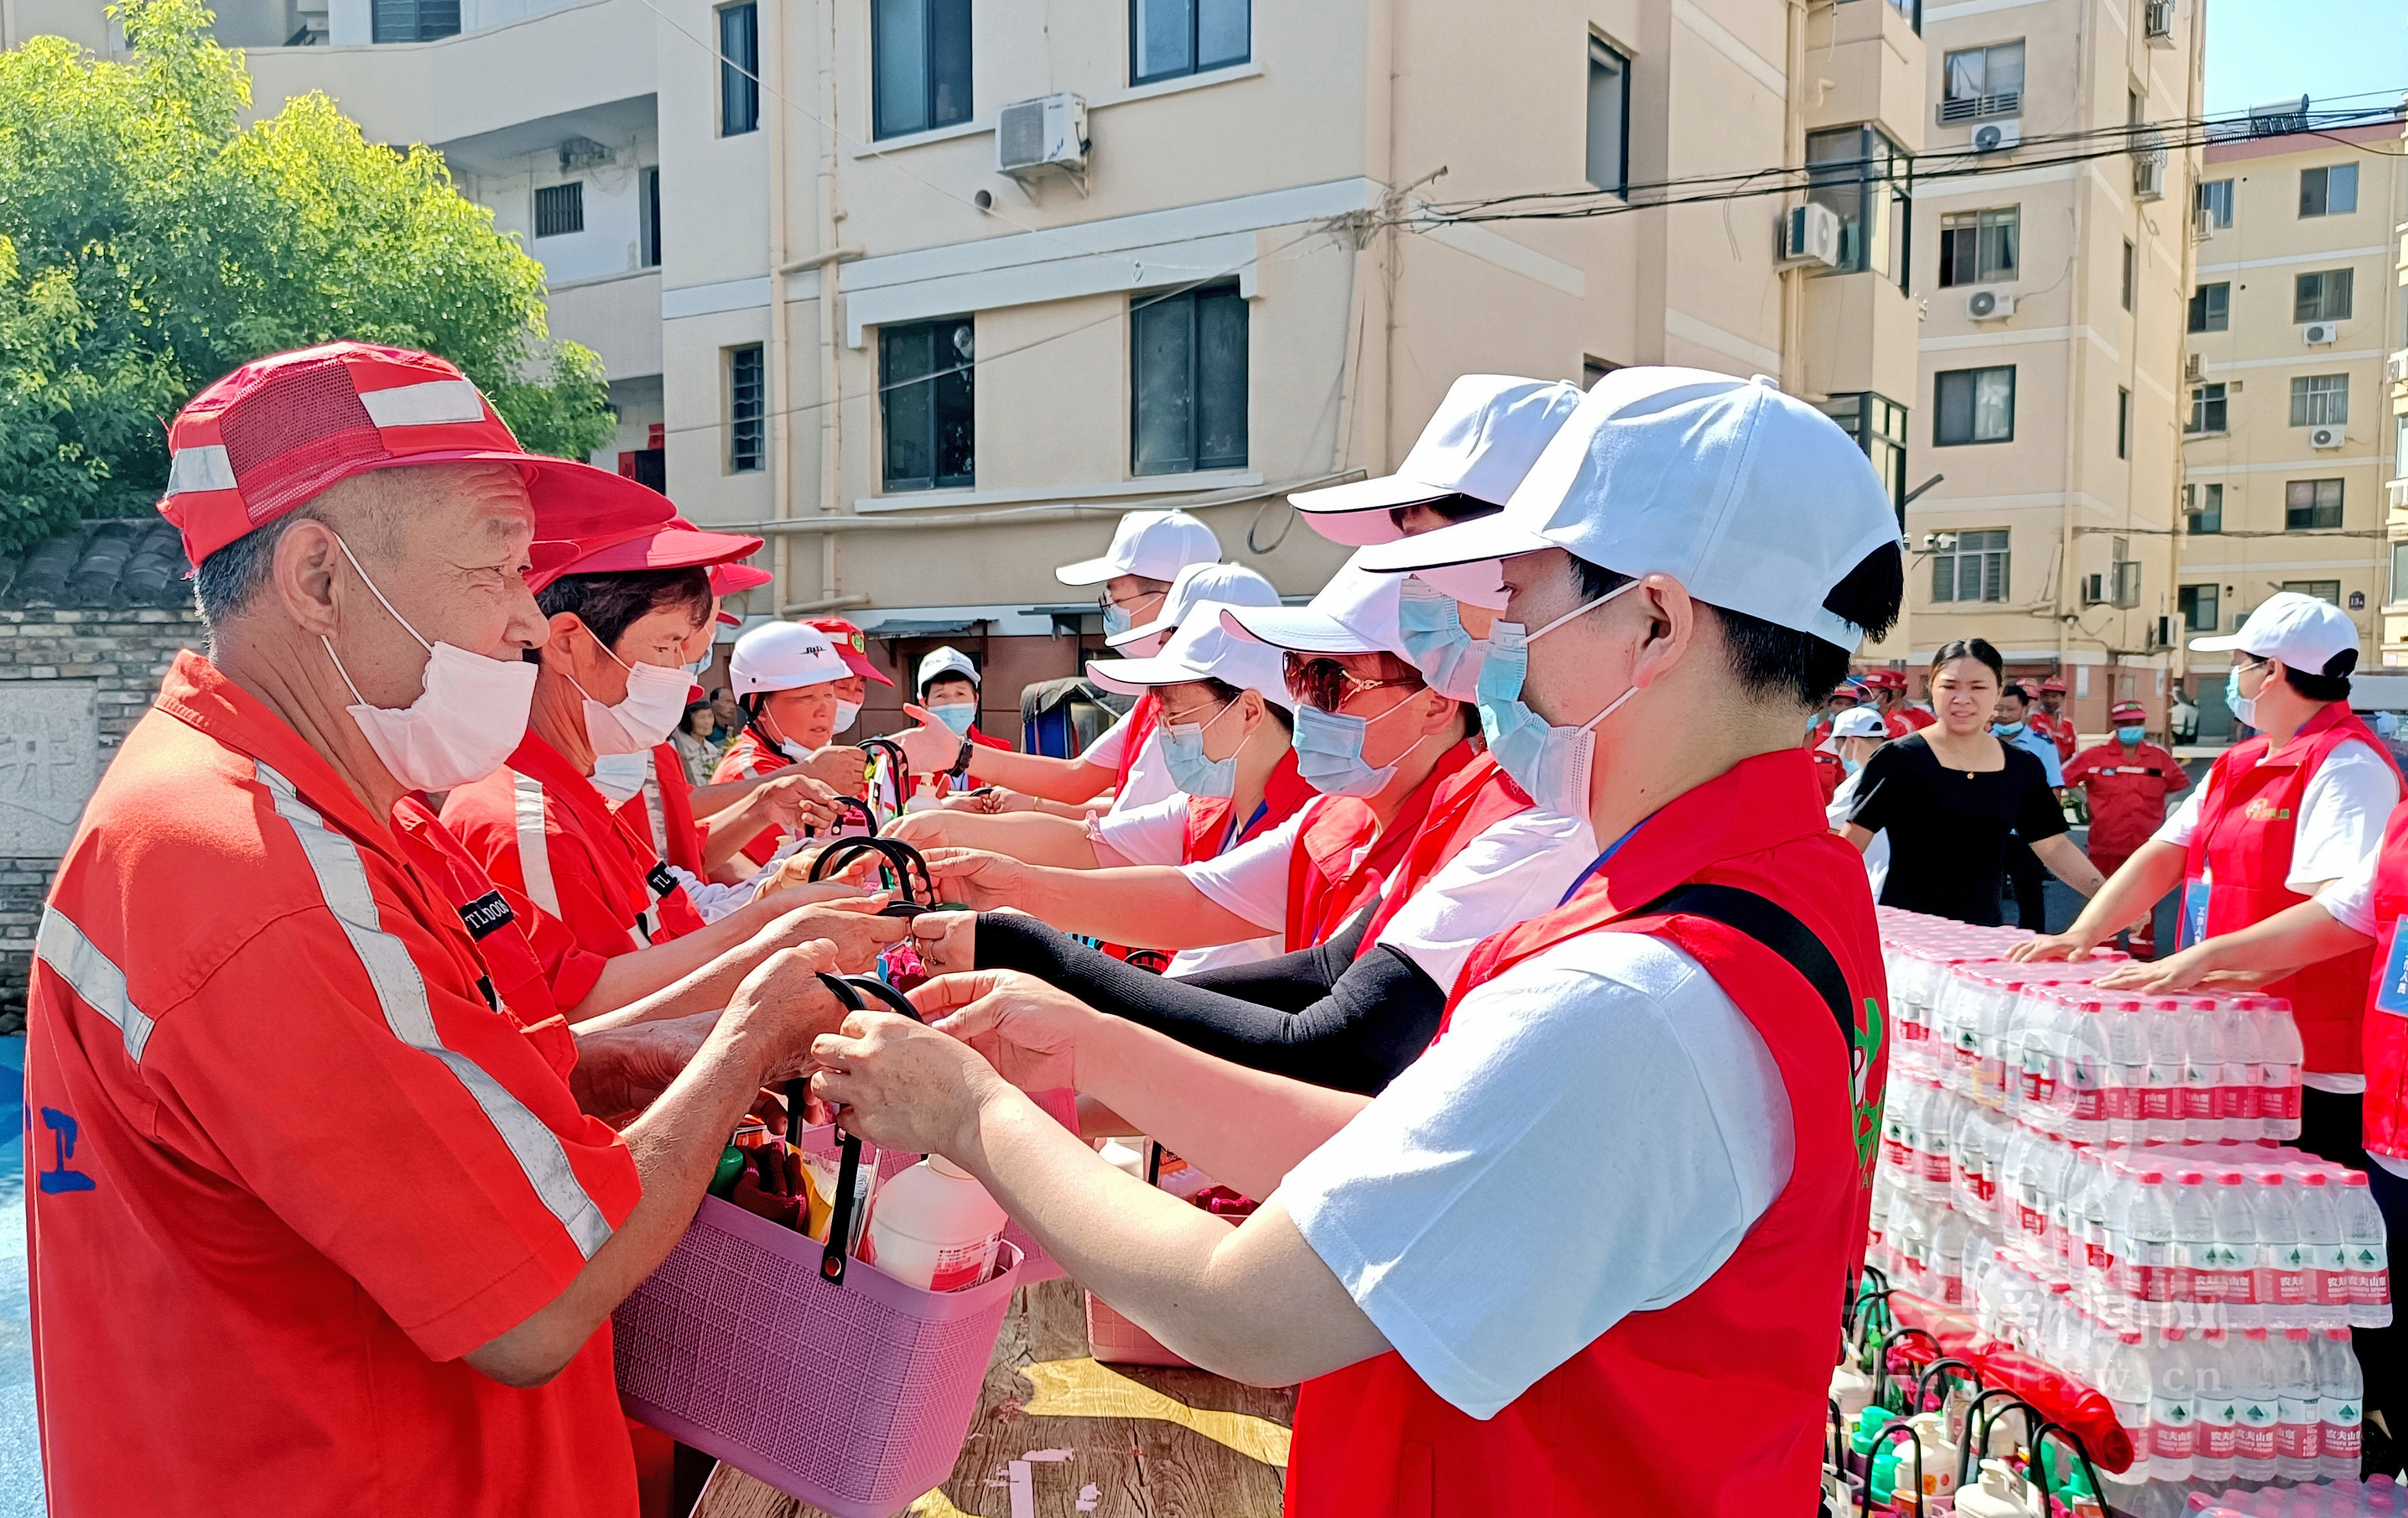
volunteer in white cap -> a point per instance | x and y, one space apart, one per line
1125 758
1370 736
785 677
2281 816
1643 1156
1855 735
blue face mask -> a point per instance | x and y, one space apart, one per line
2243 707
1191 770
1329 752
2127 736
1852 765
1116 621
1549 763
2007 729
1431 625
958 716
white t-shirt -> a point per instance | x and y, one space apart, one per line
1149 778
1843 803
1251 879
1594 1136
1519 867
1153 834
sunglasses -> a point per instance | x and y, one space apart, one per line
1325 682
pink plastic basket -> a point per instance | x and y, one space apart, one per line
1115 1340
854 1396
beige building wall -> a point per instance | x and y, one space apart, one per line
2086 476
2287 491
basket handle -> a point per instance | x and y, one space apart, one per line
848 991
1865 1494
1977 1427
900 857
850 803
1941 1368
2082 1452
1881 1372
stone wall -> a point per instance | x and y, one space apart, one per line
72 683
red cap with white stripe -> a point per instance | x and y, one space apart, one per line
266 438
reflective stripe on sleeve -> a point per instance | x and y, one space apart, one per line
401 993
534 855
93 976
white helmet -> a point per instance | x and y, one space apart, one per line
782 655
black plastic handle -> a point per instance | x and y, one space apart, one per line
900 857
1865 1493
1941 1368
1881 1372
1976 1437
848 990
2081 1451
1155 960
848 805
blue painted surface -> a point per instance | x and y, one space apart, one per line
20 1462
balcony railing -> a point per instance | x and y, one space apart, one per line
1981 107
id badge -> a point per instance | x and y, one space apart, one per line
2196 895
2391 996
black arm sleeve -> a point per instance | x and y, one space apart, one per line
1355 1031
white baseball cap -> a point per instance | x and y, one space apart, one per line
782 656
2306 634
1860 721
1200 649
1354 613
1481 441
1231 584
939 662
1155 545
1753 500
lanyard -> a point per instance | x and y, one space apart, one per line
1229 840
1600 862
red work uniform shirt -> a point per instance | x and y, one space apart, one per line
747 758
2127 790
291 1165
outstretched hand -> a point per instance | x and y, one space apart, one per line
931 747
1030 1031
903 1086
978 880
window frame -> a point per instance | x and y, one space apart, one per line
2187 602
2319 307
426 20
1996 550
889 388
2203 405
2318 514
2131 272
2123 422
648 210
2321 176
2310 395
1196 64
1992 229
1161 308
1877 424
2316 588
739 79
2206 314
557 203
1879 167
1985 102
2219 207
931 51
2398 579
1972 377
2203 520
1614 56
747 449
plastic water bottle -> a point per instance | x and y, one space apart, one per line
2150 1222
2281 1055
2236 1094
2173 1417
2326 1259
2202 1072
2161 1095
2367 1280
2298 1435
2255 1386
2125 1384
2083 1072
1948 1259
2283 1258
2340 1405
2230 1280
2201 1244
2219 1409
2127 1052
934 1226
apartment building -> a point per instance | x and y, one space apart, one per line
2049 401
2288 437
930 292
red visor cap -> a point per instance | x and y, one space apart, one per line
852 646
671 545
276 431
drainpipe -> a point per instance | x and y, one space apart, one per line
2068 571
832 215
777 390
1793 151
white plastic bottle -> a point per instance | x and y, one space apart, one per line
2340 1405
2283 1267
2299 1432
2149 1223
2219 1408
2367 1278
2236 1095
2082 1071
2238 1255
2323 1255
2202 1071
2173 1417
2254 1387
2281 1052
2128 1070
2161 1097
2199 1243
935 1227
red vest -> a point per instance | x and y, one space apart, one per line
1143 717
2385 1041
2240 857
1477 797
1284 795
677 810
1343 854
1713 1406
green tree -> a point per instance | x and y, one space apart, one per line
149 243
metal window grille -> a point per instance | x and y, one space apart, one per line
747 398
1971 567
560 208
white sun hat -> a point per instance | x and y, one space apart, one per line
1753 500
1231 584
2307 635
1154 545
1481 441
1200 649
1354 613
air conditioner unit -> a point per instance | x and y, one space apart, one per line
1049 131
2202 224
2149 180
2324 438
1810 235
2194 369
1990 305
2159 23
2318 332
1997 137
2395 369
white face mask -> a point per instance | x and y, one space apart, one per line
654 705
471 714
620 776
847 713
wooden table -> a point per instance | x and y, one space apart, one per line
1143 1457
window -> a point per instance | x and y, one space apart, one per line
2123 422
2131 272
924 402
2319 400
2399 573
2323 589
746 405
2330 190
1973 405
1877 424
1171 38
2200 605
2203 508
2311 505
1609 118
739 70
921 52
1984 82
1971 568
648 253
412 20
1978 246
560 208
1860 176
2211 308
2323 296
2206 409
1187 356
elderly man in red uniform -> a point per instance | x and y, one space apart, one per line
2126 780
323 1231
2052 720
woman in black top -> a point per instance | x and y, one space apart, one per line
1950 794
